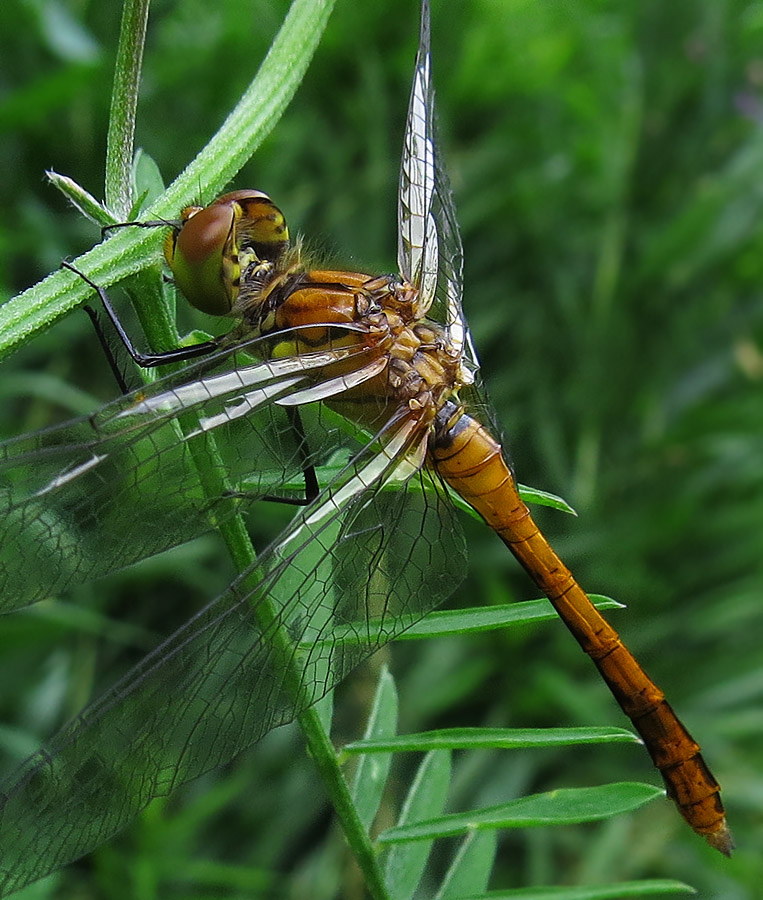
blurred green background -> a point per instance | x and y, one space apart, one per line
607 162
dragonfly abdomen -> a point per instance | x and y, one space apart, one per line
471 462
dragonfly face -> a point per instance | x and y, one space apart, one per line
376 366
242 231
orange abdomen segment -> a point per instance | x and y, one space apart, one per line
316 303
354 281
471 462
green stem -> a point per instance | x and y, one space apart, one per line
238 542
325 757
132 249
124 101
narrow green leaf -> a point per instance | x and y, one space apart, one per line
405 864
471 866
528 494
147 182
543 498
567 806
462 621
81 199
64 34
502 738
372 773
623 889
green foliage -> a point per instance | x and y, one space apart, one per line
606 160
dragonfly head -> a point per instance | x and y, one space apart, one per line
241 232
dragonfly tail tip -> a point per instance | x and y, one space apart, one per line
721 839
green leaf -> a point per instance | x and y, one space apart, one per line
620 891
500 738
462 621
147 181
471 866
371 774
65 35
528 494
543 498
81 200
405 863
567 806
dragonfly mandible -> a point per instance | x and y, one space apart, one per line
380 369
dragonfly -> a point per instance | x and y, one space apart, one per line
370 379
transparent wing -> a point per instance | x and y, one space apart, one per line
417 230
449 288
91 496
430 252
372 554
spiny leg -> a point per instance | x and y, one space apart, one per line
182 354
144 360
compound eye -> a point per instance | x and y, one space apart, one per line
260 224
206 251
203 257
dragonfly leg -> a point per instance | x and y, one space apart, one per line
107 350
308 469
312 489
154 223
144 360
